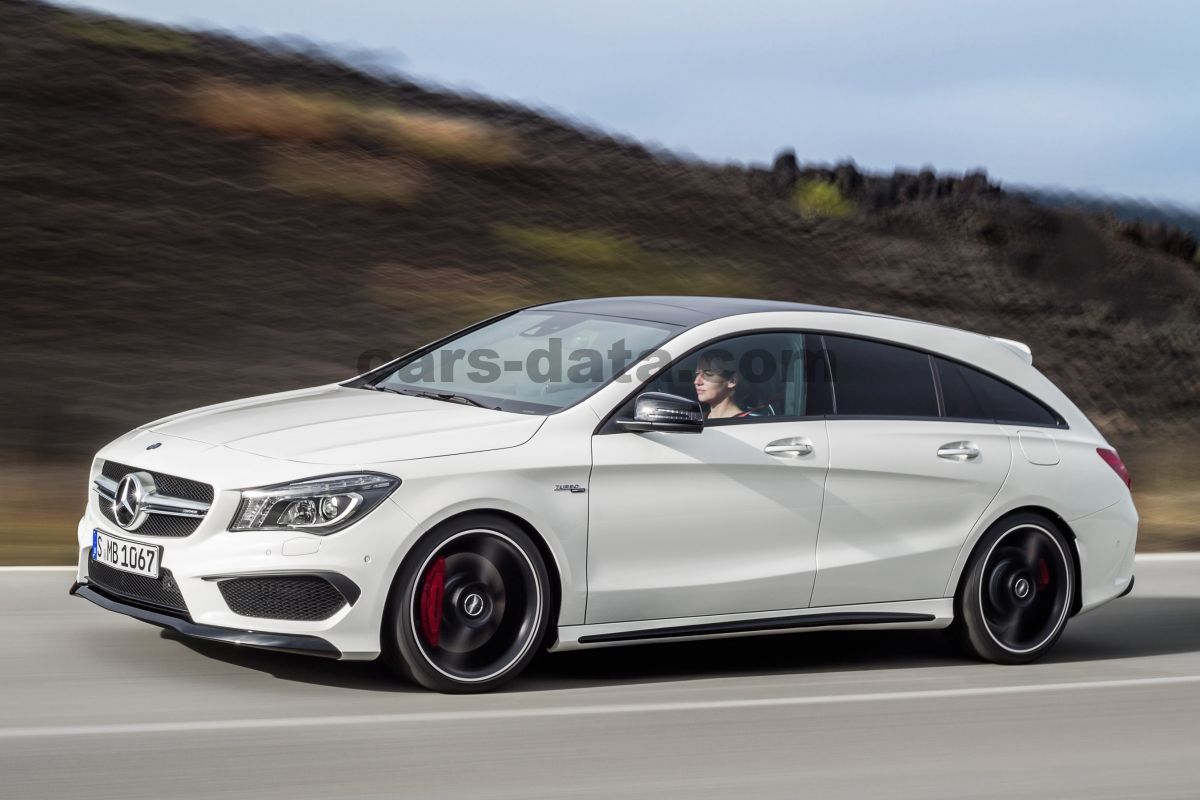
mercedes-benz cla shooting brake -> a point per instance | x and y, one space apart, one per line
599 472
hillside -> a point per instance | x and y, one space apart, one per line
187 218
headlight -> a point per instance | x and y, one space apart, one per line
317 505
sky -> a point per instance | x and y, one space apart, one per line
1095 96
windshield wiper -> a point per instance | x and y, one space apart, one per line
448 397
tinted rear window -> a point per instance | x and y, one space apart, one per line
970 394
876 379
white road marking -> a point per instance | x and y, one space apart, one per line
38 569
200 726
1152 558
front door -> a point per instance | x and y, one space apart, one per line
722 522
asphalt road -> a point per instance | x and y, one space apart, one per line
96 705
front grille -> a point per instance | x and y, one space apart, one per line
170 485
167 525
290 597
158 524
161 592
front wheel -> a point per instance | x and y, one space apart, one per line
1016 597
469 606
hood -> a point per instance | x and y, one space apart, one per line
337 425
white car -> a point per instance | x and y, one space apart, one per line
597 472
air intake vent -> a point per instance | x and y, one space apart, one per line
288 597
160 593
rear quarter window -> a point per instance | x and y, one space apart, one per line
970 394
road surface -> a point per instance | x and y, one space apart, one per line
95 705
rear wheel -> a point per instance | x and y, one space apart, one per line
1016 597
469 606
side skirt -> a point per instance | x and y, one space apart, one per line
936 613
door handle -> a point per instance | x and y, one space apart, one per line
958 451
789 448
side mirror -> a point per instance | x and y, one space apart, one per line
659 411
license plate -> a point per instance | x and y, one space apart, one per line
127 556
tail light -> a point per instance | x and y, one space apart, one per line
1113 460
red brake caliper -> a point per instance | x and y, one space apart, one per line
432 591
1043 573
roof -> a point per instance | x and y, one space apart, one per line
683 310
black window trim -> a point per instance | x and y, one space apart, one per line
608 426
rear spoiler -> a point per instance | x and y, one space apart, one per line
1020 348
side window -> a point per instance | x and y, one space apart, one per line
877 379
971 394
745 378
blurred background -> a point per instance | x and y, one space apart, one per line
190 215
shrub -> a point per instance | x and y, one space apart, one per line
817 198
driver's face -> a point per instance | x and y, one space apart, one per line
711 386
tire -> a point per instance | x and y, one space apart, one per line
469 607
1015 598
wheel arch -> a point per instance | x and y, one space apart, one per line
1042 511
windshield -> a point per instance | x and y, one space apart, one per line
533 362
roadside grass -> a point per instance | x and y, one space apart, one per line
590 263
586 249
314 172
118 33
817 198
276 112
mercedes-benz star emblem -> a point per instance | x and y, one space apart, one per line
1022 588
127 503
473 605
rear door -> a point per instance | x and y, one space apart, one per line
906 482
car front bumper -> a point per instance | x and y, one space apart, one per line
283 642
363 557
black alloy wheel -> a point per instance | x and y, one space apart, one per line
469 608
1016 597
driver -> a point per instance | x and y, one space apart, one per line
716 380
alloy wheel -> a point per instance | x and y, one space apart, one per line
476 605
1025 591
